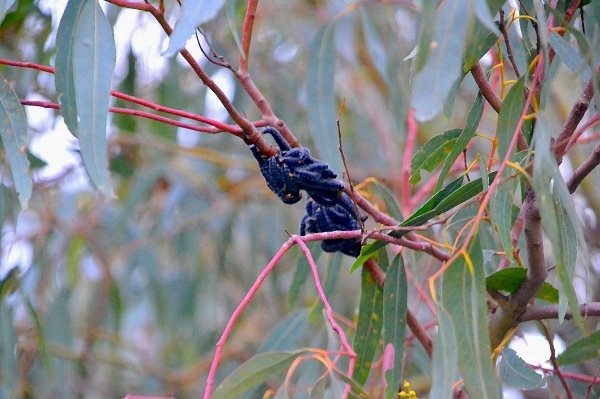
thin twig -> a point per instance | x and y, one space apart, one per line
584 170
552 312
553 360
340 148
507 43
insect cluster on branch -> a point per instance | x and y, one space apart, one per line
328 208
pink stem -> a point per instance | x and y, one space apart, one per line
328 311
261 277
408 150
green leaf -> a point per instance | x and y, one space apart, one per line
464 298
254 372
369 324
13 131
433 83
35 162
357 390
194 13
230 11
433 153
569 56
373 44
428 25
479 37
452 195
394 324
501 206
301 274
463 140
4 6
93 64
41 338
515 372
63 77
322 110
579 351
445 357
508 280
391 205
512 108
559 219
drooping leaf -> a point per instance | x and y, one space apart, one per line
230 10
428 25
445 357
93 65
194 14
394 324
501 206
433 153
569 56
254 372
369 324
508 280
512 108
13 131
559 219
433 83
386 195
41 338
373 44
584 349
515 372
322 111
480 38
464 298
63 77
463 140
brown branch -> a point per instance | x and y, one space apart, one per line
585 169
420 333
507 43
485 87
577 112
551 312
557 371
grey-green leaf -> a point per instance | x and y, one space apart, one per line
569 56
515 372
13 131
93 65
254 372
195 13
445 357
443 67
63 77
322 110
432 154
586 348
512 108
394 324
464 298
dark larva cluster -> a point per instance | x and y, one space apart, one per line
294 169
328 208
339 217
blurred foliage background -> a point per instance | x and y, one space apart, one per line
104 297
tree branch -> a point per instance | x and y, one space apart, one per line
551 312
485 87
585 169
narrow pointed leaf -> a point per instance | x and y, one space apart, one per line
480 38
195 13
432 154
394 324
13 131
463 140
369 324
512 108
559 219
322 111
63 77
569 56
443 67
584 349
464 297
254 372
445 357
508 280
93 65
515 372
